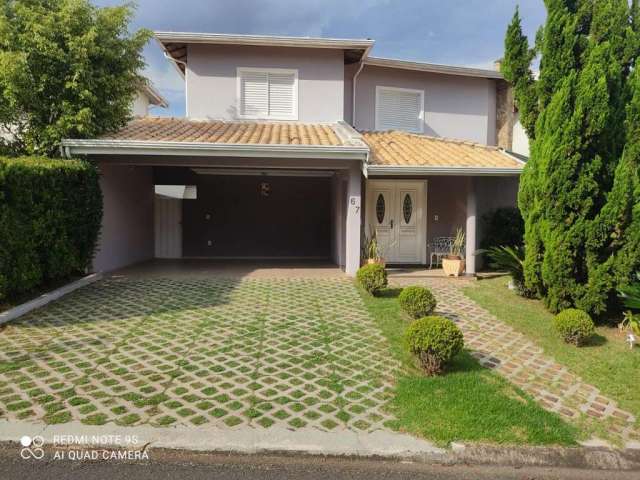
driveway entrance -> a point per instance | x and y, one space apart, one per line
294 352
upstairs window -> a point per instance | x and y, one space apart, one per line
268 93
399 109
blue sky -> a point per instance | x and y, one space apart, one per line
456 32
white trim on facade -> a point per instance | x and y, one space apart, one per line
420 120
433 68
264 172
134 147
262 40
240 71
393 170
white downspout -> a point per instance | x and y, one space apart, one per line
355 81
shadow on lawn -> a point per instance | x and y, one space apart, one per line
389 292
464 362
596 340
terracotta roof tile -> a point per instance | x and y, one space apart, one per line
397 148
158 129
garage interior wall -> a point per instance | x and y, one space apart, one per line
126 235
253 216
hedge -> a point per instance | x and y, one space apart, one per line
50 216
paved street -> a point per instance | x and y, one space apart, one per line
170 464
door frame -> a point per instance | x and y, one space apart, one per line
422 185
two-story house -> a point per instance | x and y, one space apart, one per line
299 148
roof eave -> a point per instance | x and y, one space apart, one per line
262 40
433 68
397 170
131 147
155 96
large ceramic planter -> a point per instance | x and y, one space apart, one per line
453 266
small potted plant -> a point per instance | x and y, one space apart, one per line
372 252
453 263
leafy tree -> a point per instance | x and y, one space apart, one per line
67 69
575 190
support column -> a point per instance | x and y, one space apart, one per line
352 228
470 246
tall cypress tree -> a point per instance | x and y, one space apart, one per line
559 44
573 253
516 69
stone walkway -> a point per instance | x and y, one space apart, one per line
217 352
501 348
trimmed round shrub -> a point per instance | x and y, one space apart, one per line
575 326
417 301
372 278
435 340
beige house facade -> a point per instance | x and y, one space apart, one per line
302 148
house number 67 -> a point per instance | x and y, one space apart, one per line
355 201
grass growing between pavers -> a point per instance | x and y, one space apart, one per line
295 353
468 403
607 363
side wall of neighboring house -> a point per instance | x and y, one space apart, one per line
127 224
212 85
454 106
140 107
520 139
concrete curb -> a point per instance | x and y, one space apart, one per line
593 458
48 297
243 440
307 441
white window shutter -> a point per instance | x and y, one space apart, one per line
398 109
254 94
281 95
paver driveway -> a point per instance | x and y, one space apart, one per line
200 351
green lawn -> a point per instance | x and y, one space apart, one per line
606 363
469 403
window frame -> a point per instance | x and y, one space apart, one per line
381 88
241 70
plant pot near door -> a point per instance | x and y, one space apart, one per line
379 261
453 265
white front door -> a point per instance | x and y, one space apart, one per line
396 212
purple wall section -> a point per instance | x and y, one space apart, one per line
447 197
127 225
455 106
212 84
447 200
